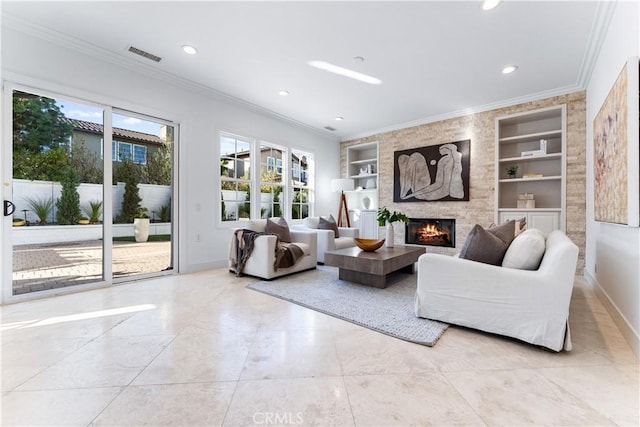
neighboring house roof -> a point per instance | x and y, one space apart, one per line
82 126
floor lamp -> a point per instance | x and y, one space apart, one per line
342 185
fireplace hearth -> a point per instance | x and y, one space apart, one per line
431 232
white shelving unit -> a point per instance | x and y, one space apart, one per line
362 167
542 174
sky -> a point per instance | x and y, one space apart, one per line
93 114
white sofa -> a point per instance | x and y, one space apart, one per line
326 238
530 305
262 259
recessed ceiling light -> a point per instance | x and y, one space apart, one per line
509 69
189 49
339 119
283 92
490 4
358 59
335 69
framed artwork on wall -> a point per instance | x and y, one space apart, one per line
432 173
615 157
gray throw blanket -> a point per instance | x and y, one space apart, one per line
287 254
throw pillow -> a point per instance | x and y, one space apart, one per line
504 232
483 246
328 224
281 228
526 250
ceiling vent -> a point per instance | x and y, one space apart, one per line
144 54
330 129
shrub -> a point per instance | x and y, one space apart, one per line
68 205
165 213
41 207
93 211
129 174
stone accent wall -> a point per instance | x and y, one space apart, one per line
480 129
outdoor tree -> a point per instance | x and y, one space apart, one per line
40 136
38 124
128 173
158 168
47 166
68 205
87 164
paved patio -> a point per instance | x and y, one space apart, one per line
57 265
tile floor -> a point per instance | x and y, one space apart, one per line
200 349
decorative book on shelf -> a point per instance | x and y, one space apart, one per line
532 175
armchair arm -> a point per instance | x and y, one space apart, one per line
349 232
308 237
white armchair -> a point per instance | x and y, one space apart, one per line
326 238
530 305
263 257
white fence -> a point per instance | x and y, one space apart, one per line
76 233
153 197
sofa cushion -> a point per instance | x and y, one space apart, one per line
281 228
311 222
328 223
484 246
258 225
306 249
526 250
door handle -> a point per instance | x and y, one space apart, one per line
9 208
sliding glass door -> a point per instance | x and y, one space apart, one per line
58 194
88 194
141 149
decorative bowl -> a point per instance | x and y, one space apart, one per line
368 245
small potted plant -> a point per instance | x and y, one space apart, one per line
386 217
141 225
512 171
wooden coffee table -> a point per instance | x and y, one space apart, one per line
372 268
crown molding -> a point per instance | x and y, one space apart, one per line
599 29
132 64
467 111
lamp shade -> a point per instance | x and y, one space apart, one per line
342 184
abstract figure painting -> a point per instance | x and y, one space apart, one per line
613 148
433 173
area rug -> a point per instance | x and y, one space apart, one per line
389 310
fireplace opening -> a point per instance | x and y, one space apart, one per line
431 232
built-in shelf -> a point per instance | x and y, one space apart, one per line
531 158
363 161
540 178
364 175
542 133
532 136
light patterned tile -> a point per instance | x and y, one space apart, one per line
197 404
301 401
75 407
402 400
522 397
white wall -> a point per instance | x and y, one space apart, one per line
613 251
28 59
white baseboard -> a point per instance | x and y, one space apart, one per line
194 268
619 319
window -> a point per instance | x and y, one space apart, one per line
302 165
235 177
121 151
272 185
140 154
124 151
